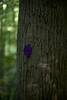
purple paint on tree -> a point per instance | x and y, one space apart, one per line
28 50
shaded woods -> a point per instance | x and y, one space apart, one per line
43 25
8 35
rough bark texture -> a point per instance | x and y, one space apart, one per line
42 24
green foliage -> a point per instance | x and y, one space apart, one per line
8 32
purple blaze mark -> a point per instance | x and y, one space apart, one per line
28 50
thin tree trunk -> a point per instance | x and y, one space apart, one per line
2 51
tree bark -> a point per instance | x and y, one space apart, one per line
41 23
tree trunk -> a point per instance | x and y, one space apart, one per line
41 24
2 44
2 52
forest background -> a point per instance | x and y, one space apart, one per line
8 35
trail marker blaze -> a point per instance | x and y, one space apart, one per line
28 50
